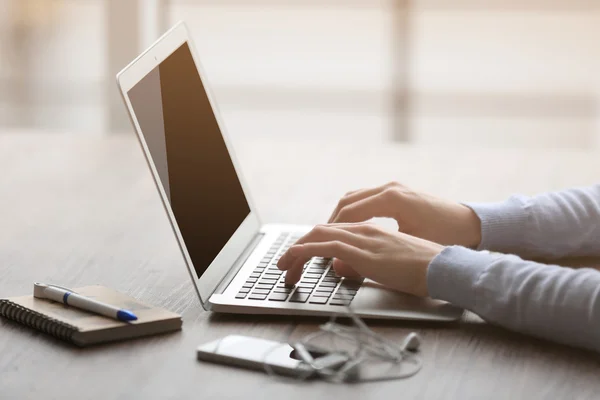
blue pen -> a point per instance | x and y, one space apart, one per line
63 295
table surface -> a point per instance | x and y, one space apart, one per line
81 210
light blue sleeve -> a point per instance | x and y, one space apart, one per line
552 302
549 225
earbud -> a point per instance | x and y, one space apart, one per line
412 342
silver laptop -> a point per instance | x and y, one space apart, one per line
230 255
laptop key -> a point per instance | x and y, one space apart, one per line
283 290
273 270
240 296
248 285
244 290
343 292
318 300
321 288
311 275
339 296
283 284
268 287
251 280
350 286
335 302
299 297
322 294
328 284
278 296
304 290
265 284
306 285
257 296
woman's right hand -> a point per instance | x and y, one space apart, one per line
417 214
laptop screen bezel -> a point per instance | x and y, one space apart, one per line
231 251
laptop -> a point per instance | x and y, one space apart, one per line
230 255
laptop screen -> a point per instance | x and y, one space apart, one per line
190 155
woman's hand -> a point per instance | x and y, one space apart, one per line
417 214
394 259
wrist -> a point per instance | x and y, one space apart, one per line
432 251
470 227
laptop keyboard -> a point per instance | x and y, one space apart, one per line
319 283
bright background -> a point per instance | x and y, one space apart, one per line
499 73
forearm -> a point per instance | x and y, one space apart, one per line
551 302
550 225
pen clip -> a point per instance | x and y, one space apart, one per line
42 285
63 288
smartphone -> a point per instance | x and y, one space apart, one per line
255 353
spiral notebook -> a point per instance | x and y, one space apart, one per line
84 328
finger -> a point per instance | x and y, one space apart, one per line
355 234
332 249
378 205
350 234
344 270
323 233
353 197
293 274
304 252
293 264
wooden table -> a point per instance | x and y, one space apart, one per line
82 209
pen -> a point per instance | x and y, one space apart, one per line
63 295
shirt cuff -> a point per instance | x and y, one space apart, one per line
503 225
453 275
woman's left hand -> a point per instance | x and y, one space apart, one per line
393 259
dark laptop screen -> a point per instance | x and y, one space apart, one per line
190 156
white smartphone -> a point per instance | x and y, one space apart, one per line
256 353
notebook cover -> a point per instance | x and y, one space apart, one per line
89 328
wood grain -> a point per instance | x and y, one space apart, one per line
80 210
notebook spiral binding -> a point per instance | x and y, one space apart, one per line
37 321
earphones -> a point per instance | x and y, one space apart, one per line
369 348
412 342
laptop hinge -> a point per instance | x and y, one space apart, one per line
237 265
